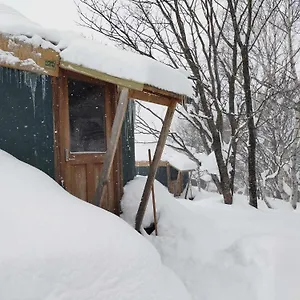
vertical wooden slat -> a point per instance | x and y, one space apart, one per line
56 129
79 182
153 197
177 184
91 186
153 168
112 146
117 184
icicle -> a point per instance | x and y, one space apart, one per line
34 148
1 74
30 79
17 78
21 80
9 75
44 87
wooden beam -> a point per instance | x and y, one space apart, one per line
153 168
153 198
157 91
150 97
27 57
112 147
102 76
177 184
145 163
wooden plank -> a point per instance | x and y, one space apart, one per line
149 97
117 166
86 158
160 92
108 193
177 184
145 163
27 57
91 187
153 168
153 198
112 146
56 130
64 128
102 76
79 181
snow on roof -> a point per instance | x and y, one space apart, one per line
93 55
9 58
178 160
55 246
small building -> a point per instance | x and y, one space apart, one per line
174 170
65 108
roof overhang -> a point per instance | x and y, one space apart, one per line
162 163
17 54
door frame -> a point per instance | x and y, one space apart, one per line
62 134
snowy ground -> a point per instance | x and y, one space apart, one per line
54 246
225 252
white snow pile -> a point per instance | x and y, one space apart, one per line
94 55
224 252
57 247
177 159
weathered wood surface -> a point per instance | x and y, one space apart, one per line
31 58
112 147
153 197
155 163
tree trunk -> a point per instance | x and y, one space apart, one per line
225 180
251 129
294 167
294 196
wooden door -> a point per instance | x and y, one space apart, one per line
84 114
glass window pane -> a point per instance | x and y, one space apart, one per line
87 117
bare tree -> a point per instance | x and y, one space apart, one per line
209 39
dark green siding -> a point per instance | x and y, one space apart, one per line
26 120
161 174
128 153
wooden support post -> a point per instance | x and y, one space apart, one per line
112 146
153 197
153 168
177 184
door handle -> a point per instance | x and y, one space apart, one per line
67 155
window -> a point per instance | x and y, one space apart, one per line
87 117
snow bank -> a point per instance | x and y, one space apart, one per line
94 55
224 252
176 159
55 246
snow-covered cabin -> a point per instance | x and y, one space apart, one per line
64 101
174 170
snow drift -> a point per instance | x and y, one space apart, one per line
220 251
55 246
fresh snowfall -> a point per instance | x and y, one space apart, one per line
55 246
235 66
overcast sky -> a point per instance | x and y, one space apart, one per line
58 14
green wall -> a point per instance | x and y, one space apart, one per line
161 174
26 120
